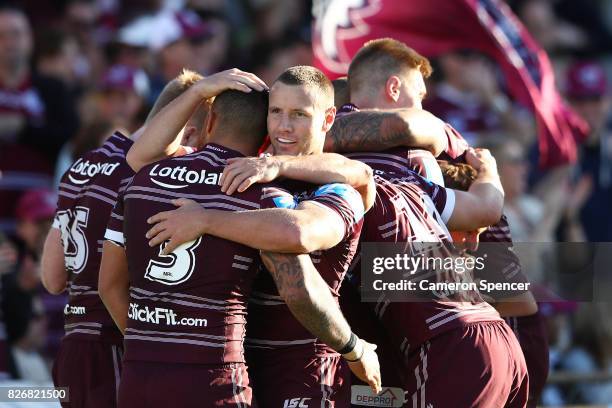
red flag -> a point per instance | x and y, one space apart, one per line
433 27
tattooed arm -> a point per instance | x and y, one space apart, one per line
312 304
308 297
377 130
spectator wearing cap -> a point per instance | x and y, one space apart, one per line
588 92
173 37
25 311
124 92
35 212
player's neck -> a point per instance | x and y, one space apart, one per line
364 101
233 143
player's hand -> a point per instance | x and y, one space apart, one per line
177 226
231 79
241 173
367 368
481 159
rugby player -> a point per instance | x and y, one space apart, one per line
386 73
301 111
386 80
517 307
334 204
89 359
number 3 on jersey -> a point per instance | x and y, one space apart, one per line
72 225
175 267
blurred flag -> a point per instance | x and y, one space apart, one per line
433 27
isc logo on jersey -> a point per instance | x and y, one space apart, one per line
296 403
85 168
181 177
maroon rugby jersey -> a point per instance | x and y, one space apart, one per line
501 262
189 306
415 211
87 193
271 324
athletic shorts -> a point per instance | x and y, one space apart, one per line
284 380
91 370
532 336
480 365
154 384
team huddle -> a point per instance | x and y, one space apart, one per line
212 258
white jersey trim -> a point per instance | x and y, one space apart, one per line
450 205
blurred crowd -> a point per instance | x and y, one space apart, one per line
73 71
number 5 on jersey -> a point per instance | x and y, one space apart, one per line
174 268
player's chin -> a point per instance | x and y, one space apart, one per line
290 149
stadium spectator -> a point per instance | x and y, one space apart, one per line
35 211
550 31
470 98
36 116
591 353
124 92
56 55
289 52
588 91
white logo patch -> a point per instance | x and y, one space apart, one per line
85 168
180 177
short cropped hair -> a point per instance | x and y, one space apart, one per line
173 90
458 176
341 92
378 59
242 114
310 77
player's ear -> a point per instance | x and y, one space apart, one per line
211 121
392 88
330 116
190 136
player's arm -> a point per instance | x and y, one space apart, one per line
326 168
311 302
482 204
309 227
523 304
159 139
113 283
54 275
377 130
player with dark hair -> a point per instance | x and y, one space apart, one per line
89 360
336 206
301 111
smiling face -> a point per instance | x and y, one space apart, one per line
298 119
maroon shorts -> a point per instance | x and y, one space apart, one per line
281 382
477 366
154 384
91 370
531 333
